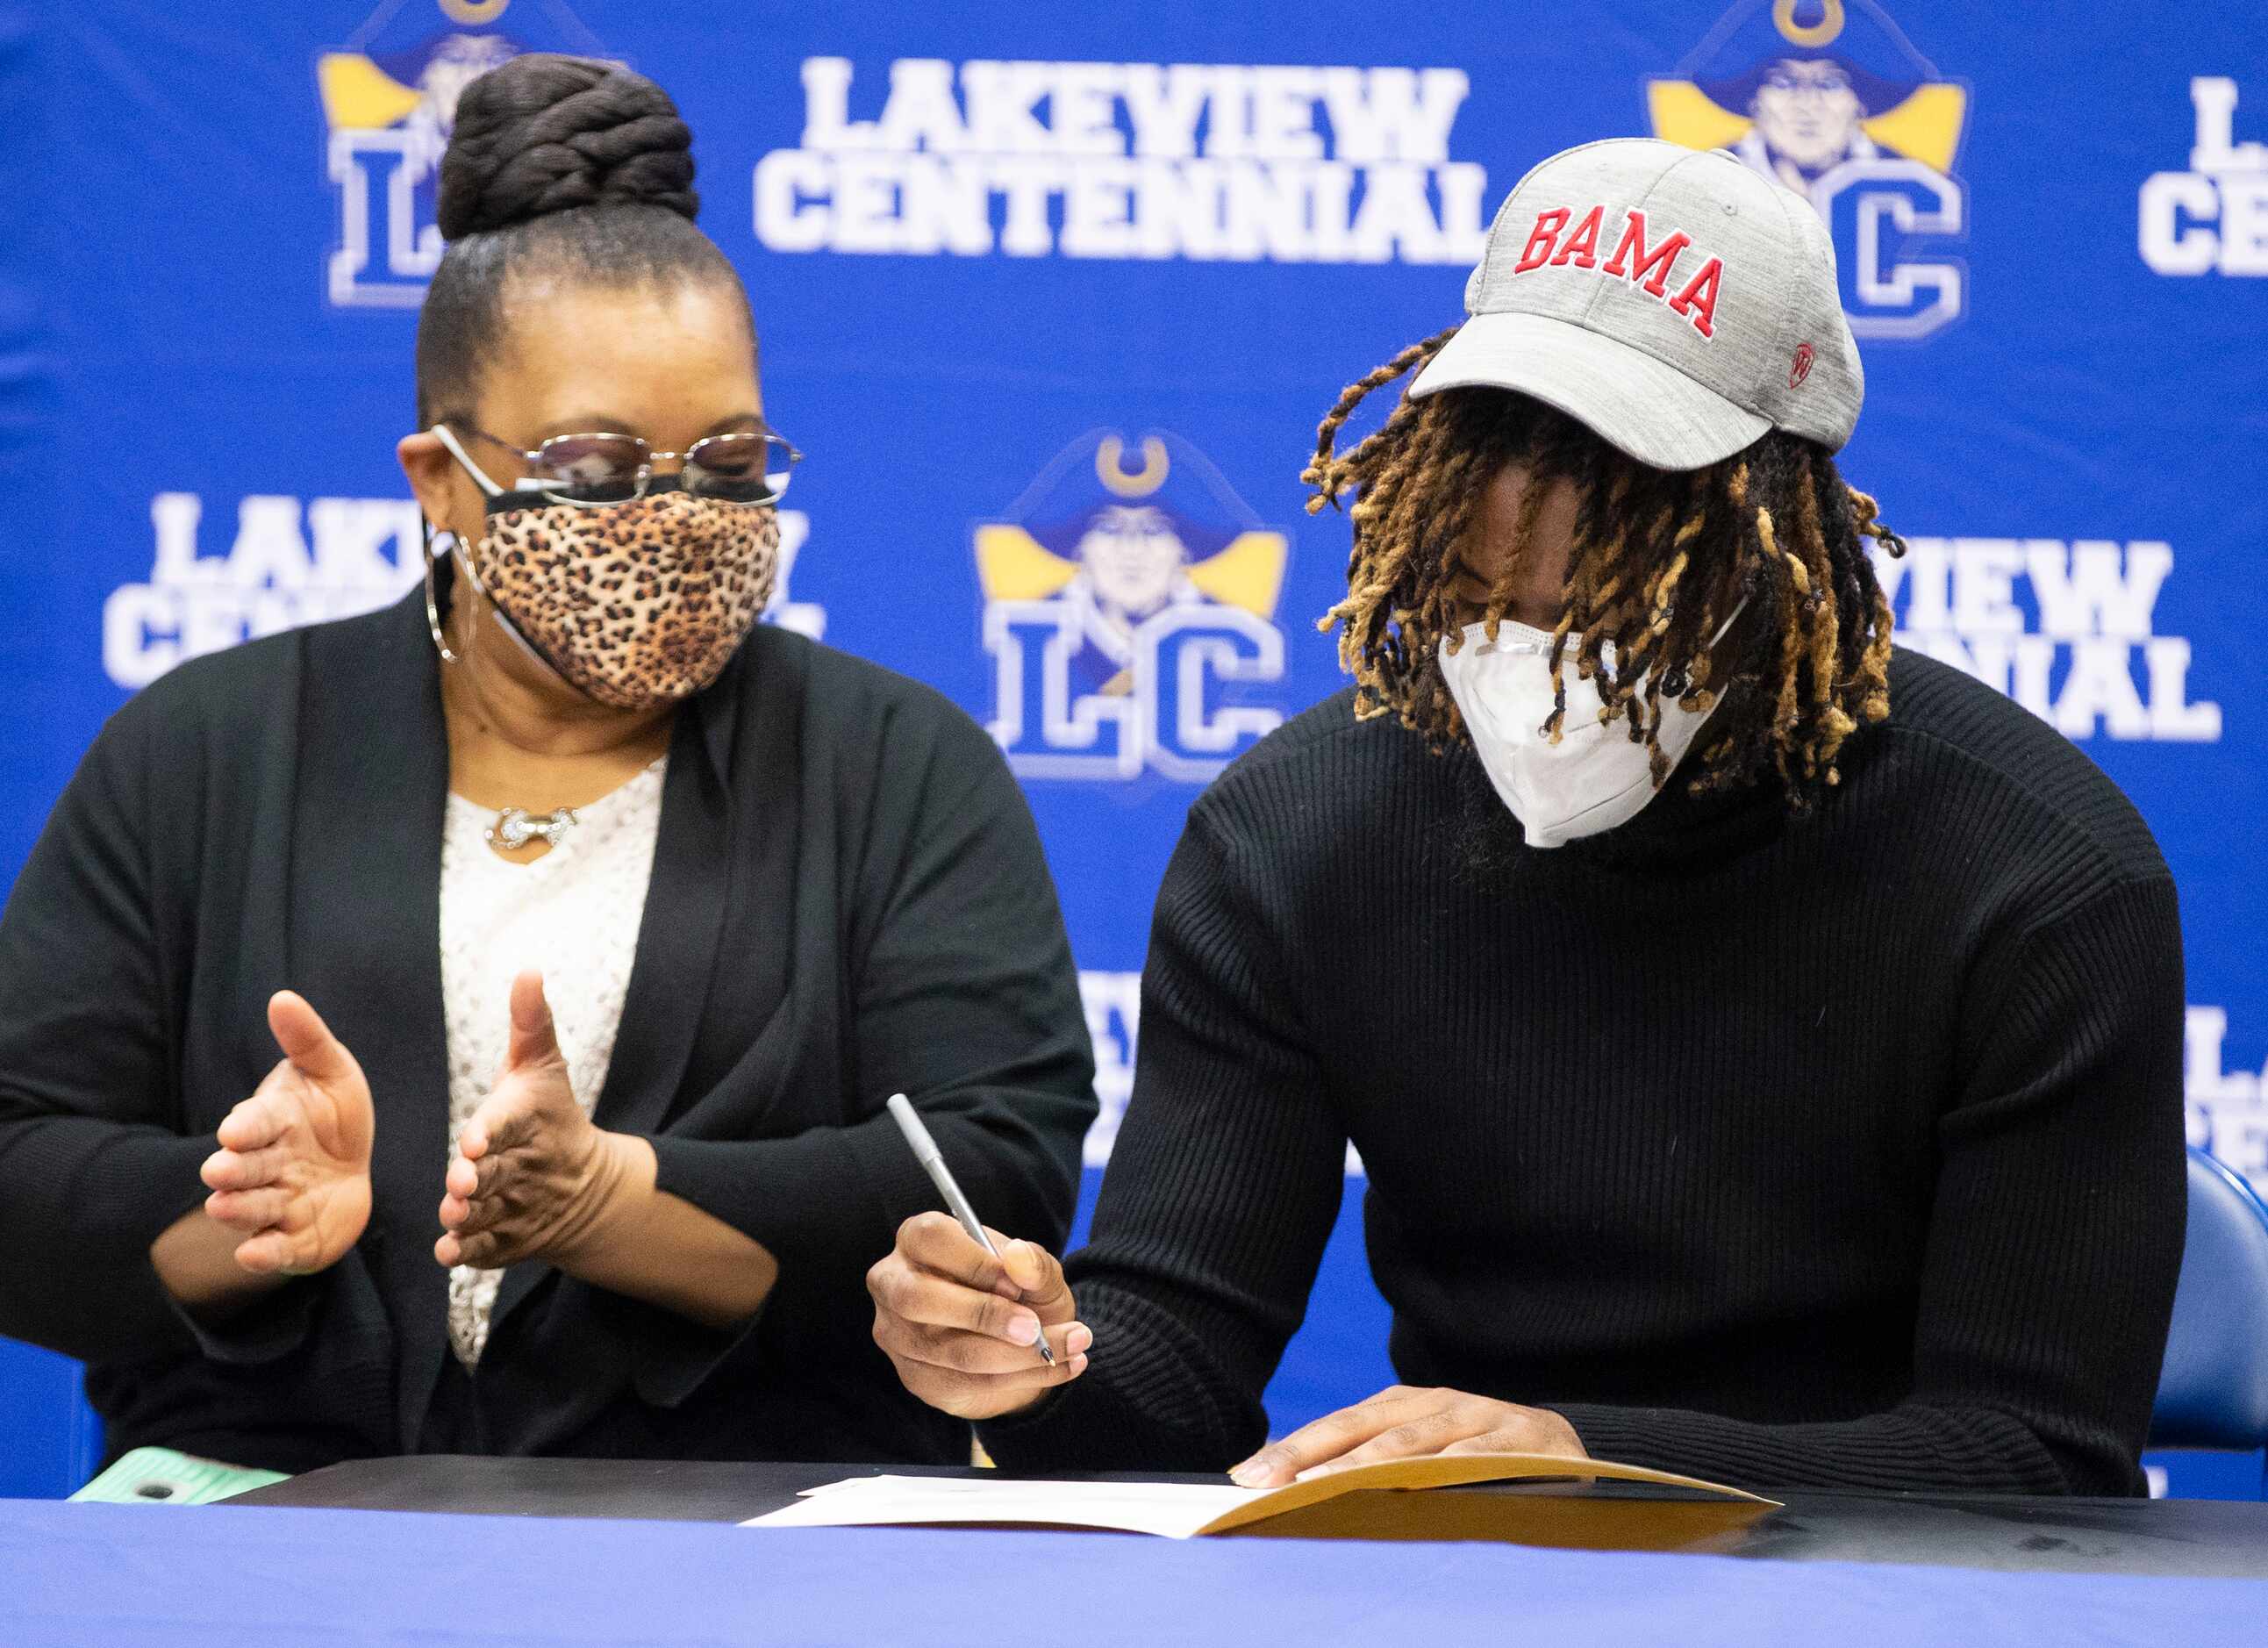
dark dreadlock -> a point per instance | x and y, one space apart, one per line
1659 558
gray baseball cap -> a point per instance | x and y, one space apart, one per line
1674 301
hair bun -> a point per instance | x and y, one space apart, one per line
541 133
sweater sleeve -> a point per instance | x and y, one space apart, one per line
2054 1244
963 996
1223 1184
92 1165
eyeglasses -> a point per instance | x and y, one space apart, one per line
594 471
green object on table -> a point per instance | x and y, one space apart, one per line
160 1476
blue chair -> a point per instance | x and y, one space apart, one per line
2214 1390
50 1438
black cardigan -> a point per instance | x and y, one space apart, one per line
848 899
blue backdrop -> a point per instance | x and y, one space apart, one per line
1054 297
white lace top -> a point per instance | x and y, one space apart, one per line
574 912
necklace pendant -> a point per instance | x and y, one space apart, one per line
515 827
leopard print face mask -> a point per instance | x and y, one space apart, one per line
639 604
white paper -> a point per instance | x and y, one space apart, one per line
1174 1509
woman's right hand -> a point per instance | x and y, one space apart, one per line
292 1174
961 1326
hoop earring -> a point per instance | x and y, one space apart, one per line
432 606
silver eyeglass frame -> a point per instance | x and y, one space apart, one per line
775 481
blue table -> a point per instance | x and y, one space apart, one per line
126 1575
120 1574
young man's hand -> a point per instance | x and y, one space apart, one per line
962 1328
1404 1422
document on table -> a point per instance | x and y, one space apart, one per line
1177 1510
1180 1511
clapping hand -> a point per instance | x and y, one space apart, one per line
534 1178
292 1174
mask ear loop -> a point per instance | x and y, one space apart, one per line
1725 628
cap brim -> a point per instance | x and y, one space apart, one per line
1653 411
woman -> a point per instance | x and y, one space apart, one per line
560 861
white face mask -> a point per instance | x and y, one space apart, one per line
1594 778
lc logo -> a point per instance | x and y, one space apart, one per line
1830 99
1129 616
389 100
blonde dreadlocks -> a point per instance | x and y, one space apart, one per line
1661 557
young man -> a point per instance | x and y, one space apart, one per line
1764 1047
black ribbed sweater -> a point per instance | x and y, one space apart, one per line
1843 1148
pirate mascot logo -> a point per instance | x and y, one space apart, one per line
1130 600
1829 98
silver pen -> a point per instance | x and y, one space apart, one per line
924 1148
